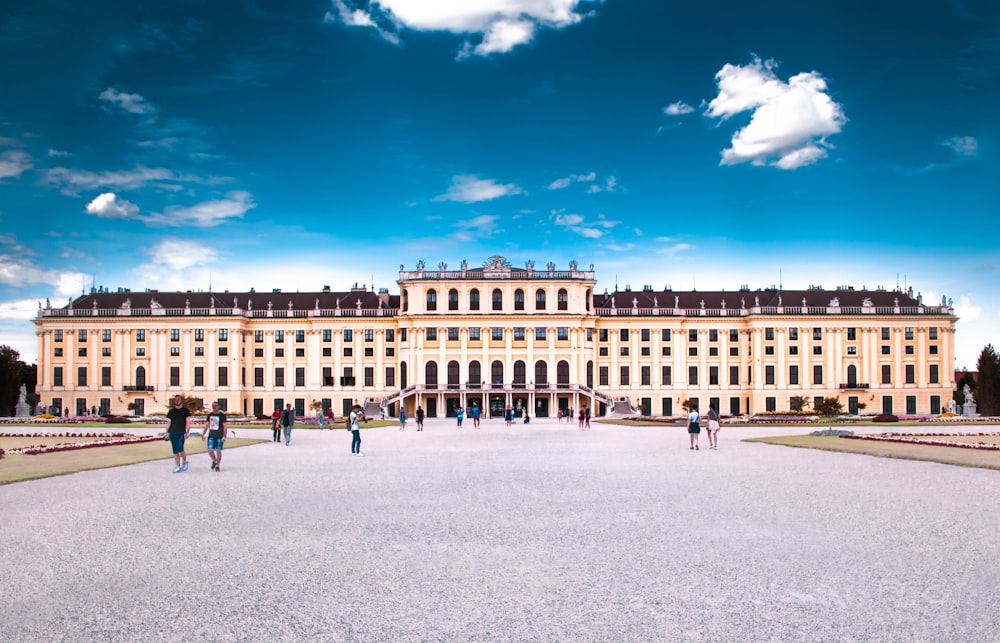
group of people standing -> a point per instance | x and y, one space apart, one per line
694 428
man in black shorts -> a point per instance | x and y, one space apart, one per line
215 433
178 431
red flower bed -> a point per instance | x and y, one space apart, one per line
75 446
917 438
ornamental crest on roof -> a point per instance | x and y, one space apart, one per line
496 264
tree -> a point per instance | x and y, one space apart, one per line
689 405
988 391
316 405
830 407
13 373
799 402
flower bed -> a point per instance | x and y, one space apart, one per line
918 438
76 446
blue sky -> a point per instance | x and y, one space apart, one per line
277 144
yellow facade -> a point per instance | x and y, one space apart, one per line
496 336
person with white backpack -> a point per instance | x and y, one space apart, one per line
694 428
353 424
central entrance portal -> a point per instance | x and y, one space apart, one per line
496 406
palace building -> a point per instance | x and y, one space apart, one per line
493 336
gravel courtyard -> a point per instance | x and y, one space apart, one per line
532 533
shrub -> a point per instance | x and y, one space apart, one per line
2 452
832 432
45 416
885 417
117 419
262 416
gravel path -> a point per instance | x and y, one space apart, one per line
540 533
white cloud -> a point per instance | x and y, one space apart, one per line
678 109
578 224
20 271
207 213
790 120
559 184
23 309
482 226
501 24
962 145
569 219
72 182
109 206
58 154
565 182
13 163
173 253
131 103
966 310
468 188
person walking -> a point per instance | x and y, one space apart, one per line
330 417
420 418
713 428
508 416
474 412
319 419
288 423
354 427
461 416
215 433
177 432
586 418
402 418
694 428
276 426
579 418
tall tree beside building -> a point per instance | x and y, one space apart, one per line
988 390
10 379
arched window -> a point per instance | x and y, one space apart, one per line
452 299
518 299
562 299
497 299
496 373
406 300
431 374
475 374
453 374
402 375
519 374
562 374
432 299
474 299
852 375
140 376
539 299
590 374
541 373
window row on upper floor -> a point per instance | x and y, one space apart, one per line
496 300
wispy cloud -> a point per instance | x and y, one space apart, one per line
790 120
468 188
966 146
678 109
578 224
495 27
483 226
21 271
201 215
72 182
131 103
14 163
608 185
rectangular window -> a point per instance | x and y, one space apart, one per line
300 336
402 334
258 377
623 335
81 376
81 335
106 335
390 335
602 335
431 334
199 376
713 334
175 351
793 375
279 376
769 350
771 404
57 352
645 375
769 374
793 350
453 333
887 404
140 335
199 334
81 352
644 351
223 351
300 376
623 350
693 351
258 352
793 334
852 334
933 375
852 350
223 334
713 375
496 334
692 375
199 351
327 335
817 374
223 376
140 352
602 351
886 374
369 335
590 334
175 376
106 351
932 333
769 334
624 376
258 337
908 349
665 350
886 350
817 350
602 376
474 335
910 373
734 351
369 351
390 376
57 376
692 335
279 336
936 404
734 406
327 376
665 334
57 335
175 334
105 376
348 335
518 334
908 333
933 350
279 352
348 351
817 334
644 335
885 334
667 405
539 334
369 376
